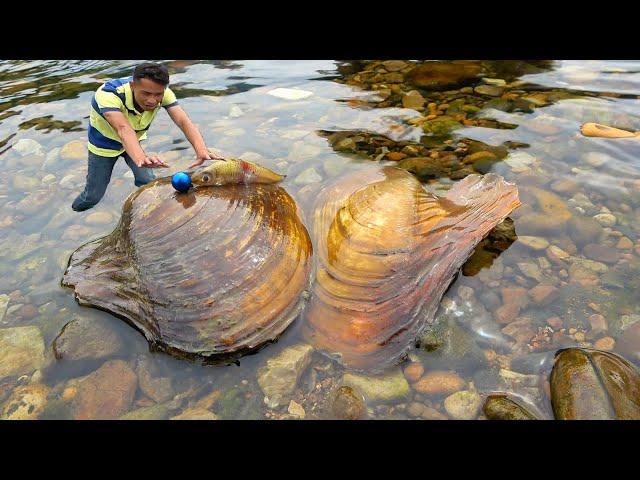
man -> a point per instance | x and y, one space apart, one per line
121 113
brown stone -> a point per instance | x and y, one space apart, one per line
413 372
106 393
543 294
439 383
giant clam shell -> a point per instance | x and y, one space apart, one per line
217 271
386 253
588 384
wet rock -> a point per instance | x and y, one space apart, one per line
501 407
413 99
605 219
154 412
439 383
296 410
598 323
535 243
26 402
106 393
25 183
413 372
4 302
444 75
519 160
566 186
592 385
583 263
279 376
624 244
532 363
348 404
48 179
380 388
99 218
543 294
423 167
601 253
27 146
487 379
195 414
520 330
159 389
394 65
605 343
628 343
87 339
310 175
463 405
75 150
597 159
441 126
490 90
76 232
21 351
513 299
530 270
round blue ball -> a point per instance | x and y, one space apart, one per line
181 181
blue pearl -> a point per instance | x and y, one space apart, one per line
181 181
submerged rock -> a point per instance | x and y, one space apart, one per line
382 388
106 393
87 339
21 351
348 404
279 377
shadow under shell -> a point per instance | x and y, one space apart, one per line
214 272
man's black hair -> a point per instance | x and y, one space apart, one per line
153 71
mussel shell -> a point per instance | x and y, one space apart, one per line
588 384
386 250
212 272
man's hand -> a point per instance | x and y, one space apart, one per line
152 161
203 155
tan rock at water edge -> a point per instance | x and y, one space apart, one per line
21 351
413 372
439 383
74 150
106 393
296 409
624 244
196 414
413 99
463 405
279 376
26 402
99 218
535 243
379 388
605 343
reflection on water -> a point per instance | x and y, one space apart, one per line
561 272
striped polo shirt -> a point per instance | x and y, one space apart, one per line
112 96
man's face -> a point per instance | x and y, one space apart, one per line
147 93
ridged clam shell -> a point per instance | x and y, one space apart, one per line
216 271
386 253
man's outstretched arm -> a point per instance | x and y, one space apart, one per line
180 118
130 142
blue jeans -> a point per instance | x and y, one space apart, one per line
99 175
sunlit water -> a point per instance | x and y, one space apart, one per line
48 102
